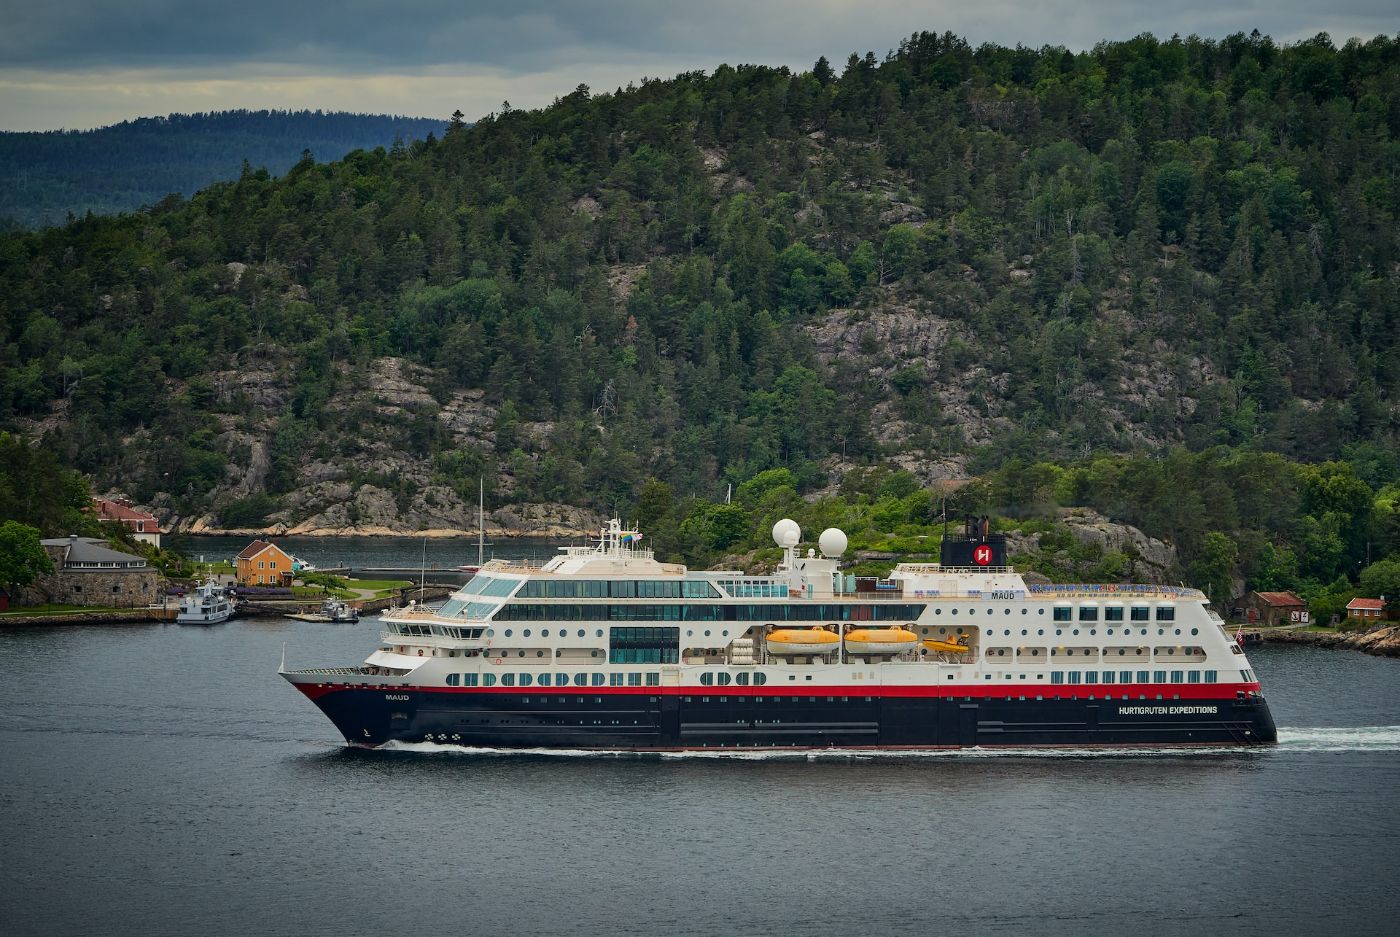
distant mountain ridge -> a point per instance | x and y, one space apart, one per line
45 176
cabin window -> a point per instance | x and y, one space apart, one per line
1211 676
1159 676
1141 613
1166 613
614 679
543 680
1108 676
1062 613
469 679
507 679
759 679
580 679
707 679
723 679
634 679
1056 676
454 679
597 679
526 679
1193 676
653 679
488 679
1088 613
1074 676
1176 676
741 679
1113 613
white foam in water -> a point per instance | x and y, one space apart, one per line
1340 739
1300 739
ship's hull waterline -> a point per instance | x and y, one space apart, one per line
665 719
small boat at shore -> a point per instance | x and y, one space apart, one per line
333 611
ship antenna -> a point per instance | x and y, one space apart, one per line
480 522
423 571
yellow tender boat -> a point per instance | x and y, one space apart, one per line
880 640
802 641
956 646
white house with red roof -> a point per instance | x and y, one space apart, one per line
143 526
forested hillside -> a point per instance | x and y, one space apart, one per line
945 260
46 176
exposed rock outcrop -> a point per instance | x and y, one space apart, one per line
1383 642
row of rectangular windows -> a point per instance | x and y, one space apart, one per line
555 679
619 589
519 611
1114 613
1126 676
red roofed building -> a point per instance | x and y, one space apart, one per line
264 564
1366 609
143 526
1275 608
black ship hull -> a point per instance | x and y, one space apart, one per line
669 719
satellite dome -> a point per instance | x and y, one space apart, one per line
832 542
786 533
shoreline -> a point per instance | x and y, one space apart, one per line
1382 642
434 533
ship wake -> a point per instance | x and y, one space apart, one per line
1291 740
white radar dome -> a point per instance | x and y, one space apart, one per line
832 542
786 533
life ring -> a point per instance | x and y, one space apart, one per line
498 661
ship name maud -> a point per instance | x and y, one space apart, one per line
1168 710
402 697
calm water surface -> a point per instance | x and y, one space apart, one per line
163 780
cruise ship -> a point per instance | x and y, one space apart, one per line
605 647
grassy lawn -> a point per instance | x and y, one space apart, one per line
381 587
316 592
59 610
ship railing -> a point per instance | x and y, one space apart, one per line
330 671
1109 589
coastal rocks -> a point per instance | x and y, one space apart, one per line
1382 642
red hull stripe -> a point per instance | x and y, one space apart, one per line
1038 690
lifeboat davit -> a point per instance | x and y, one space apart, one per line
880 640
802 641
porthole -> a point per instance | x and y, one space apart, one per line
519 653
990 632
1178 631
1193 631
938 611
581 632
539 653
991 611
1006 611
1024 632
1040 631
1025 611
544 632
1076 631
1093 631
1007 631
490 632
525 633
707 632
953 612
724 634
507 632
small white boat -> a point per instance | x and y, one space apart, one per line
332 610
880 641
206 604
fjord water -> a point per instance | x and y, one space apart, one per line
161 779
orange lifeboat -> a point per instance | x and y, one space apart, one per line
880 640
795 641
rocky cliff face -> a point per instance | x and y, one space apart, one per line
1383 642
1148 559
363 474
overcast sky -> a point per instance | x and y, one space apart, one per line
86 63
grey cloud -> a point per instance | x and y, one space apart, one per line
537 35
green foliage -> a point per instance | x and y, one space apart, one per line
1150 242
22 558
249 512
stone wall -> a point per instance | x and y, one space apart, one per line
116 588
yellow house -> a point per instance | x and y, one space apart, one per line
264 564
